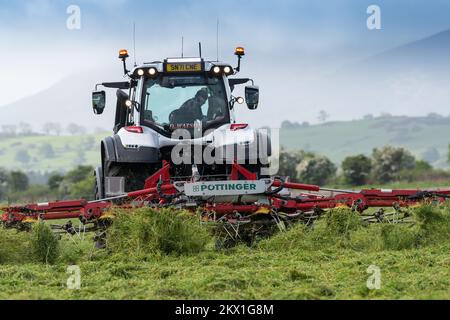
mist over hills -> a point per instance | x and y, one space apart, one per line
413 79
67 101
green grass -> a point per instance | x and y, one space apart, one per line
327 262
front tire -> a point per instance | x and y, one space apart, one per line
134 174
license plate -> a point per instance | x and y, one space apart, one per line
184 67
224 188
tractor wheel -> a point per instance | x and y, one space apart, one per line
134 174
97 191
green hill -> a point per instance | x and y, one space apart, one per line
426 137
49 153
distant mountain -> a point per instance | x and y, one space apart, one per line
68 101
413 79
429 55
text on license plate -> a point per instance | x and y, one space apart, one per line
184 67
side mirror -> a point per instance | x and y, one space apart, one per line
252 97
98 101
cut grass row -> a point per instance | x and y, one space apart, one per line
171 256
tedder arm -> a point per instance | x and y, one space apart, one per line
278 198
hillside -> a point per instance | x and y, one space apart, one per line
423 136
49 153
426 137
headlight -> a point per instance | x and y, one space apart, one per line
128 103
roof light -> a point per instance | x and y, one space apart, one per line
238 126
123 54
140 72
216 70
134 129
152 71
240 51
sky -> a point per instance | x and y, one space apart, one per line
284 39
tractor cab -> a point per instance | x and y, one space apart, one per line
178 93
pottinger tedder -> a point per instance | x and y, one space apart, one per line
264 204
167 103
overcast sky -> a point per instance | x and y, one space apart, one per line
283 38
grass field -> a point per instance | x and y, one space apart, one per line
327 262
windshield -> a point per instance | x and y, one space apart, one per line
182 102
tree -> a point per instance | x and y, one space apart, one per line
3 183
46 150
47 128
22 156
50 127
323 116
423 166
54 181
25 128
75 129
434 115
448 154
356 169
79 173
18 181
57 128
315 170
389 161
288 163
78 183
9 130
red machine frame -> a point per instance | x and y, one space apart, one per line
159 188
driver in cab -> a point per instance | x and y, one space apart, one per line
191 110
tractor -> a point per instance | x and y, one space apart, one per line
178 111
